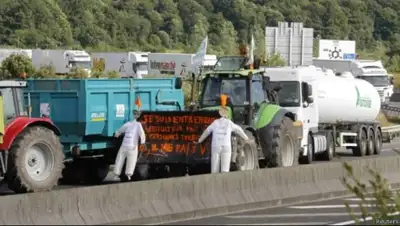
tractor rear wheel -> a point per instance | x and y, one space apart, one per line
36 161
284 151
246 156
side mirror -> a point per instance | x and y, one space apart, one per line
310 100
257 63
277 88
307 92
178 83
309 89
266 81
256 106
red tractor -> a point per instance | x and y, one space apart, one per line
31 155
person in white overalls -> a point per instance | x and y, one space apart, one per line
133 130
221 149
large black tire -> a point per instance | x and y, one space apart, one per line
36 161
378 141
370 142
361 149
329 153
74 173
247 156
97 171
285 152
142 172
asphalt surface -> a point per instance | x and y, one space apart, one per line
328 212
341 154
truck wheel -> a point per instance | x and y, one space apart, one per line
247 156
36 161
97 172
74 173
370 142
329 153
284 151
362 143
141 172
378 141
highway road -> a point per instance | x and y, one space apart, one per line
342 154
328 212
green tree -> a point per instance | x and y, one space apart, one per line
274 61
172 25
16 66
78 73
45 71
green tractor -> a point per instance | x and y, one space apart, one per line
274 133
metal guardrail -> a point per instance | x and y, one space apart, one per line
390 133
390 129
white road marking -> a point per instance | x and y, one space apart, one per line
289 223
359 200
361 220
290 215
333 206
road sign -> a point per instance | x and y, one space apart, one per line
349 56
337 49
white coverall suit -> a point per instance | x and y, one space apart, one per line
221 148
129 147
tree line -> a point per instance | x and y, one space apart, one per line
180 25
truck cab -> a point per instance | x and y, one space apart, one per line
296 95
209 62
374 72
78 58
140 61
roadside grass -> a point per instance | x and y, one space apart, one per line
383 195
383 120
387 121
396 80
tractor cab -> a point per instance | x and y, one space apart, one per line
12 99
244 87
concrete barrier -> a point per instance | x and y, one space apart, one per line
187 197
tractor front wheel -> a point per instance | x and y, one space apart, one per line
36 161
285 152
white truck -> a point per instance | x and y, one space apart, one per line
4 53
176 63
128 64
372 71
336 111
62 60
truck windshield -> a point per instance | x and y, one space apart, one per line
229 63
13 103
376 80
235 88
139 66
81 64
289 95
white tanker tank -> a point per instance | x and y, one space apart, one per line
346 99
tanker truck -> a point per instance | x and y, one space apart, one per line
336 111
